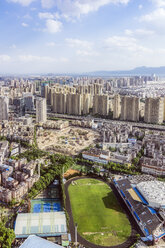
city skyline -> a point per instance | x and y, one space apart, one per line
68 36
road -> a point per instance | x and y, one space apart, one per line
115 122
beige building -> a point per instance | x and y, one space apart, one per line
101 104
154 110
116 107
71 103
98 89
41 110
86 103
59 103
130 108
74 104
4 108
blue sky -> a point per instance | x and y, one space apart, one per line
80 35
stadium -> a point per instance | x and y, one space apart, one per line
145 201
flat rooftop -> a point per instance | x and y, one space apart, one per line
42 224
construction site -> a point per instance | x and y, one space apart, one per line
70 140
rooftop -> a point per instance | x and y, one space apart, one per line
43 224
36 242
153 191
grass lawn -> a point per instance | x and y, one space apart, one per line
100 218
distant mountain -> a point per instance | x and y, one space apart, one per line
143 71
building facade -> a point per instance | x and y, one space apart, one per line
4 108
130 106
154 110
41 110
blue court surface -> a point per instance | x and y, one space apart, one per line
44 205
37 208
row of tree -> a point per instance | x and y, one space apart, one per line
59 164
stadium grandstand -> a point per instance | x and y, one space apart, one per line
146 215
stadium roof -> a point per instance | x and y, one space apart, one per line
42 224
36 242
154 192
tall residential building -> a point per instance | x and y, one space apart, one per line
59 103
101 104
28 101
4 108
154 110
164 111
41 110
98 89
116 107
74 104
86 100
130 108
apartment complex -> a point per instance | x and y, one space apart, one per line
41 110
101 105
116 107
154 110
130 106
16 178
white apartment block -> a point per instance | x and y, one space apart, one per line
4 108
41 110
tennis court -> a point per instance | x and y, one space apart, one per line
45 205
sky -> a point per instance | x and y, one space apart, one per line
75 36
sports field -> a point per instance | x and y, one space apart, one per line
96 210
45 205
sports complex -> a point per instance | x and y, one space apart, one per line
46 219
101 220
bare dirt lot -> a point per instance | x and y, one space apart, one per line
70 140
70 172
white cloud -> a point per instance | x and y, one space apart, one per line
79 43
125 43
45 15
53 26
85 53
47 4
24 25
83 48
140 6
22 2
50 44
78 7
34 58
140 32
159 3
128 32
157 16
4 58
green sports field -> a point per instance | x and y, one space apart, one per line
100 218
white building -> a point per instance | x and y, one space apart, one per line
36 242
41 110
153 192
98 158
4 108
